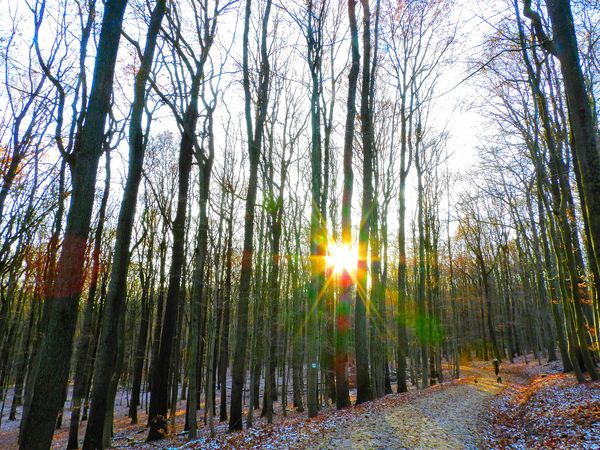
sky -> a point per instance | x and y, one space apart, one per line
455 108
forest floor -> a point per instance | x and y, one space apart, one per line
535 406
551 410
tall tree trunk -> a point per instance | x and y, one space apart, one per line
559 191
274 294
144 328
487 297
542 289
105 364
87 332
198 309
158 319
255 135
298 330
363 298
38 426
345 301
157 414
402 278
422 325
584 132
318 235
224 341
138 360
22 365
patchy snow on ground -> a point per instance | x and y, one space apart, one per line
444 416
299 432
551 411
534 406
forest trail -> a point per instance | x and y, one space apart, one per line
445 417
452 415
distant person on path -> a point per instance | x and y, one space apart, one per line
496 364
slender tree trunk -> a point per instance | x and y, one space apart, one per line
298 330
105 364
363 299
487 297
144 328
87 332
344 304
402 283
198 309
542 290
22 365
560 191
224 352
159 308
254 149
138 361
422 319
318 234
157 414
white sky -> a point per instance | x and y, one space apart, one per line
453 109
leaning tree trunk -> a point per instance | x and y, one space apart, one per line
542 113
114 308
584 133
38 426
87 332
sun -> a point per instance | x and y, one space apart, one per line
341 258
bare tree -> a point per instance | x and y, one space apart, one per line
37 427
255 139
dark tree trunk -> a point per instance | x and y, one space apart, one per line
22 365
198 304
38 426
363 381
138 362
344 305
255 135
87 332
421 320
105 364
224 352
584 132
317 228
158 319
402 290
142 337
157 415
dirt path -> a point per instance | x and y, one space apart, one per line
442 418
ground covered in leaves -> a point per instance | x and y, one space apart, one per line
445 416
550 411
535 406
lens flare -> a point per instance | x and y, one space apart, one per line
341 258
